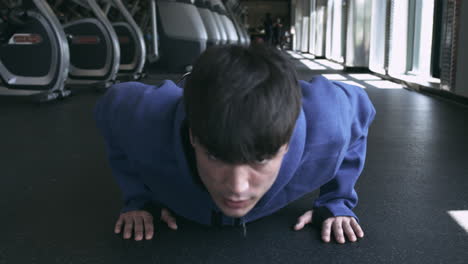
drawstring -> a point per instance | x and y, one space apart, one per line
244 228
181 81
216 219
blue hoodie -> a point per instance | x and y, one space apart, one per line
141 125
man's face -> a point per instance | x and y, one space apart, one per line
236 188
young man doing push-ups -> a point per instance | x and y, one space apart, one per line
242 139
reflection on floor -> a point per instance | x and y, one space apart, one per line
359 79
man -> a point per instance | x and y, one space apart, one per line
242 140
278 33
268 27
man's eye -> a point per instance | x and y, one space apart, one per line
262 162
211 157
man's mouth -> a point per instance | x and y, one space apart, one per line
235 204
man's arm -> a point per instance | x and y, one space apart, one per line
108 118
135 193
338 195
136 217
112 113
333 208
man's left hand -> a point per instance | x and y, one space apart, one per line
340 225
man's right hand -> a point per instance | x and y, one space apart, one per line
140 223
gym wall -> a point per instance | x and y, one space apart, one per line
461 87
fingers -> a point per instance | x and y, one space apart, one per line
138 221
338 230
348 230
128 227
357 228
118 225
169 219
149 228
341 226
326 229
303 220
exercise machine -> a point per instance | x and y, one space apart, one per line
94 47
218 7
144 13
34 53
131 40
212 30
182 35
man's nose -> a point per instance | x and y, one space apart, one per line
239 180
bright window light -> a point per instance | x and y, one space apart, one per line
399 33
308 56
312 65
364 76
335 77
423 37
355 84
461 217
295 55
385 84
330 64
418 79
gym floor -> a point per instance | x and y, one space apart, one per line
59 202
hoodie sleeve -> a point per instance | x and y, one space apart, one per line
338 197
111 113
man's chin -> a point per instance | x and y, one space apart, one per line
232 211
236 212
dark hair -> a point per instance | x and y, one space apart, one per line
242 103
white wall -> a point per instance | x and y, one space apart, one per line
461 84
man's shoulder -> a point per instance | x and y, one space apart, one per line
136 98
135 113
321 95
320 88
331 108
321 100
132 90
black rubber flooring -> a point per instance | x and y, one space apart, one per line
59 202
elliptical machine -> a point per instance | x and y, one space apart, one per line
131 41
182 35
212 30
234 9
94 47
144 13
34 55
218 7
